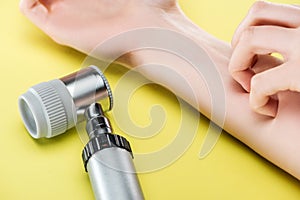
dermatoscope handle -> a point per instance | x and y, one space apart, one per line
108 160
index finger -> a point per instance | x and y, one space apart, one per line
265 13
258 40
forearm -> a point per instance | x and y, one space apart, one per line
275 139
85 24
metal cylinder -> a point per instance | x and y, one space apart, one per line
87 86
108 160
51 108
112 175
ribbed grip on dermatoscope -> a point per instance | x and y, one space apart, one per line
103 141
54 107
47 109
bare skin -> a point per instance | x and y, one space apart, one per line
85 24
268 28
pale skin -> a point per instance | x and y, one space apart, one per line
271 29
276 139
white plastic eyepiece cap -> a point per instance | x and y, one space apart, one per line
51 108
47 109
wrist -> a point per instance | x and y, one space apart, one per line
176 21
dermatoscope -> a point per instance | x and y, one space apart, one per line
51 108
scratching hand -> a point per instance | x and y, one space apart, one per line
268 28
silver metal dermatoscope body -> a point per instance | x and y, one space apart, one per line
51 108
108 158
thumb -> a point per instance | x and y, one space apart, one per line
35 11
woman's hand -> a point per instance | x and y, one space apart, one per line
268 28
83 24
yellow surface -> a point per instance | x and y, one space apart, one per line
52 169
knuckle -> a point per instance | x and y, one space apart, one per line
297 35
294 85
294 82
231 67
252 101
294 46
248 34
256 83
258 7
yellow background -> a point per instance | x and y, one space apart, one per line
52 169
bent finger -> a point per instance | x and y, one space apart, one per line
269 83
265 62
257 41
266 13
260 64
